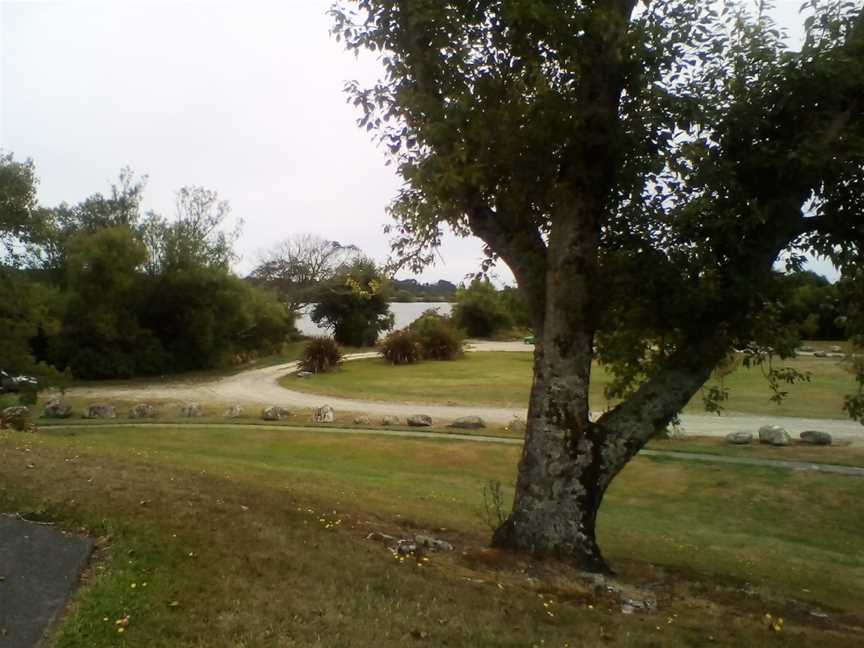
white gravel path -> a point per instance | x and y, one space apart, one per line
260 387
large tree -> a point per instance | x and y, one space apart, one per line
354 303
640 167
296 267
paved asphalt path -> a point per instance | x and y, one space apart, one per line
39 567
260 387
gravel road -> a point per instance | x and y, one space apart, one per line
260 387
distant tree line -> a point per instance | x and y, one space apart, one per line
411 290
101 290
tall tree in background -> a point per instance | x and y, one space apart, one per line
17 207
26 308
297 266
354 302
121 207
105 291
196 238
640 170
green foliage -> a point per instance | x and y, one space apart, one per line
813 305
20 224
196 238
28 396
437 336
28 311
495 507
354 303
480 311
295 268
320 355
100 291
716 148
431 336
204 317
410 290
401 347
101 335
516 307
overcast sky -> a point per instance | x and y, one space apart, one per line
244 97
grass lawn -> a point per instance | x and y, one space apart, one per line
504 380
837 454
256 537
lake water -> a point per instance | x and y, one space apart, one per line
405 313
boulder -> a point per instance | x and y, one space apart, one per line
739 438
836 349
191 410
390 420
468 423
362 420
820 354
275 413
235 411
814 437
16 417
516 426
324 414
420 420
774 435
56 408
100 410
806 349
304 374
142 410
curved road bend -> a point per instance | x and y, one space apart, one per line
260 387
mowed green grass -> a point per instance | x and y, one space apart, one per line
257 538
504 380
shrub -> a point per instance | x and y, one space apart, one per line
479 310
438 338
401 347
28 395
355 304
320 355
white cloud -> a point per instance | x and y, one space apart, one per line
242 97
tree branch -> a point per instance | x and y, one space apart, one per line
522 249
660 398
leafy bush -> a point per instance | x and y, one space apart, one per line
401 347
320 355
479 310
28 395
438 338
354 303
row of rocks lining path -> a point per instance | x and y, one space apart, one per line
260 387
851 471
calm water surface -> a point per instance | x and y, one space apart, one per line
405 314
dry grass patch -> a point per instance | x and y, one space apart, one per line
240 529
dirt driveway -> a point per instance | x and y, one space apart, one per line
260 387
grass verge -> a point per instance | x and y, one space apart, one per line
504 380
255 537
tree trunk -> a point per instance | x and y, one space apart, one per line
568 461
562 477
562 473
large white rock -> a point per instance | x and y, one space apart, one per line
324 414
774 435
